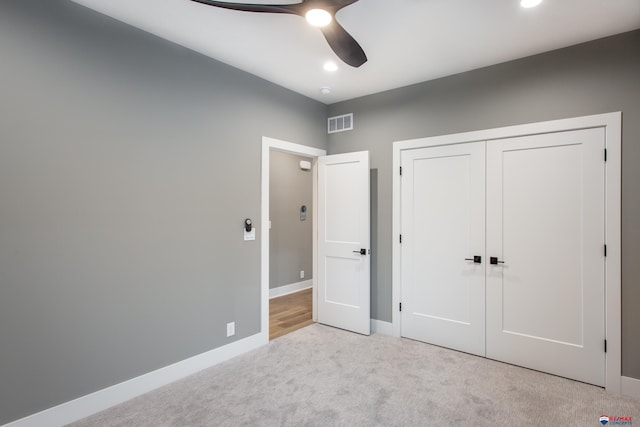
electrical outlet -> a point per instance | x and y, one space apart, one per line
231 329
302 274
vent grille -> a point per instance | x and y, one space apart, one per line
340 123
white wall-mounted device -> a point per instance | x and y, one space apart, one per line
305 165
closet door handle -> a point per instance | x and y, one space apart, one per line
477 259
494 260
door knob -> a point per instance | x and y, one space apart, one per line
494 260
361 252
477 259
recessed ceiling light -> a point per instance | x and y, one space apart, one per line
325 90
318 17
530 3
330 66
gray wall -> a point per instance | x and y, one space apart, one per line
290 239
127 167
591 78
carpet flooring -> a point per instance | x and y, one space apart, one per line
321 376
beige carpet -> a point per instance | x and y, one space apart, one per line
321 376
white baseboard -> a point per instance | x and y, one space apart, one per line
382 328
90 404
289 289
630 387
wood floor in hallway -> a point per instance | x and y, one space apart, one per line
289 313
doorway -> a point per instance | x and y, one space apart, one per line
341 256
542 230
270 145
540 303
290 243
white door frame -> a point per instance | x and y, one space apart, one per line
612 124
269 144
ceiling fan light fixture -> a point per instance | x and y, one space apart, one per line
530 3
318 13
318 17
330 66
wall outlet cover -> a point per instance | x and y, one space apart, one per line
231 329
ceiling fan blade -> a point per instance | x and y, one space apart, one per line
344 45
252 7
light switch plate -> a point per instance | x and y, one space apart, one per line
250 235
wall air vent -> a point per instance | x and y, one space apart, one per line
340 123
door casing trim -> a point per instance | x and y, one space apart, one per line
612 124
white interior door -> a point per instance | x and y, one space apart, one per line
545 224
343 241
443 220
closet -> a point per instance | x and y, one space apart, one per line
502 249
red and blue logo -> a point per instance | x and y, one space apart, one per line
615 420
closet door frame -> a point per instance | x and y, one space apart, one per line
612 125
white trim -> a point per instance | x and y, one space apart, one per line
290 289
575 123
90 404
613 228
612 123
395 234
314 249
269 144
381 327
630 387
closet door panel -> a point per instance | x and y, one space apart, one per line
545 227
443 298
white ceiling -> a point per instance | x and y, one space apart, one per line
406 41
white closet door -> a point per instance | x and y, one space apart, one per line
545 224
443 220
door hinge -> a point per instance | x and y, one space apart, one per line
400 306
400 170
401 238
605 154
605 346
605 250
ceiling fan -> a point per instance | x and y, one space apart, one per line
320 13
